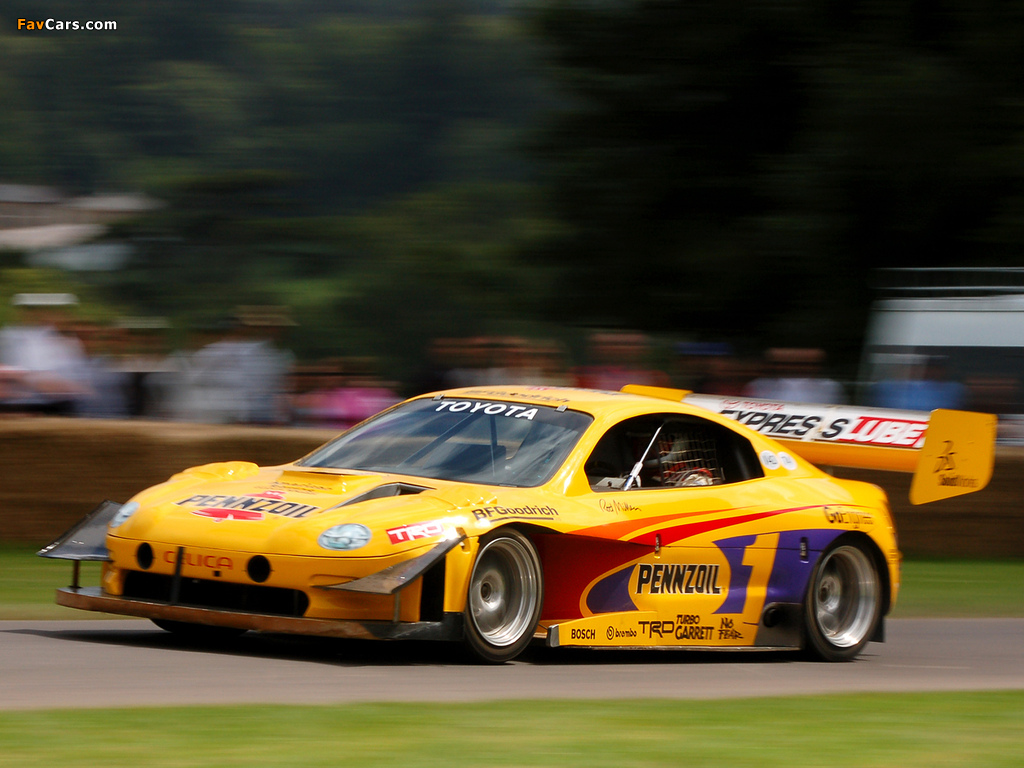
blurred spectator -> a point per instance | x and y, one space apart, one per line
268 363
618 358
795 375
470 362
710 368
551 361
45 368
1000 395
928 387
349 392
212 380
510 362
693 361
994 394
242 377
491 360
145 360
108 382
727 376
307 382
435 374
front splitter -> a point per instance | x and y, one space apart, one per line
93 599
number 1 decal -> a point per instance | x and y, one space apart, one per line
759 557
751 559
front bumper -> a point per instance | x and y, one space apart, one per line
213 583
93 599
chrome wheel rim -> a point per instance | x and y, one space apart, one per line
846 596
503 592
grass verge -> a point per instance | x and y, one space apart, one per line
961 589
908 730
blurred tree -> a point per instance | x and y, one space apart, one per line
737 167
716 167
445 263
220 240
363 101
298 146
380 284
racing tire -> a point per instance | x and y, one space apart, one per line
844 602
197 631
505 596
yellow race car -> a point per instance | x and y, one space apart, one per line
497 516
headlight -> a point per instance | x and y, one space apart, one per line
126 511
345 537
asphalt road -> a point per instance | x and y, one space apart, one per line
132 663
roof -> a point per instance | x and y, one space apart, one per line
571 397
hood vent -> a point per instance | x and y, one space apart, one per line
385 491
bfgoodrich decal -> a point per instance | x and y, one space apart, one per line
527 512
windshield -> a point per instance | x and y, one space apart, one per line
473 441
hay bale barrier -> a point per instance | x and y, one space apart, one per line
54 471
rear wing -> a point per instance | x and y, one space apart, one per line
949 452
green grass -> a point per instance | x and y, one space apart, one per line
984 729
27 583
906 730
932 588
962 588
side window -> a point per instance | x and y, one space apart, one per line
675 451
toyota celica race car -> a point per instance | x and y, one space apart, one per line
496 516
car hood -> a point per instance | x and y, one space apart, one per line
242 507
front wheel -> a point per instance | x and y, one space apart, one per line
506 592
844 603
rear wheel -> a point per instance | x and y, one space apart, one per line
844 602
506 591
